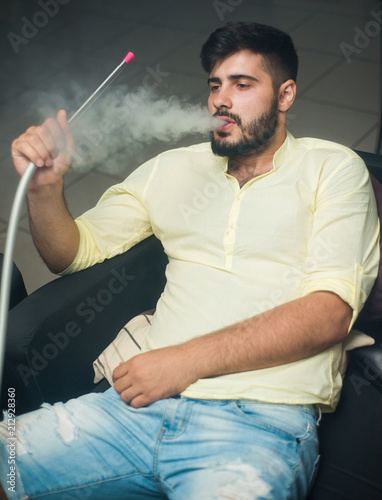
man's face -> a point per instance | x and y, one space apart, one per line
242 95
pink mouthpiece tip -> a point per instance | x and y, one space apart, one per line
129 57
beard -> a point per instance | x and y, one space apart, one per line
253 136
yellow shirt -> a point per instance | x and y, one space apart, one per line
309 224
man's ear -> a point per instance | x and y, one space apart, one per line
287 95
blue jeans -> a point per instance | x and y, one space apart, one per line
99 447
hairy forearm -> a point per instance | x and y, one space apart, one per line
287 333
54 231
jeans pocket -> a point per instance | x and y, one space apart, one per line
291 422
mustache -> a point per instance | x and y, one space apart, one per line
227 114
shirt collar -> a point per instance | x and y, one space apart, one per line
284 151
279 158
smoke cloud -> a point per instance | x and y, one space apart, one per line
115 131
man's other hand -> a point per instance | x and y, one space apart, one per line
154 375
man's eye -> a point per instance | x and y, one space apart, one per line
214 88
242 85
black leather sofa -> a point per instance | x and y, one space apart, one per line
55 334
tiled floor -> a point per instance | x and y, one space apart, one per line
78 42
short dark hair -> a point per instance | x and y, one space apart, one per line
280 59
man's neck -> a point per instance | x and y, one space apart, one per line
244 168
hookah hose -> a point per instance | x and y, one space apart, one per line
6 277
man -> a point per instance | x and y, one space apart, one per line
263 284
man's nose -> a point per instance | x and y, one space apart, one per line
222 99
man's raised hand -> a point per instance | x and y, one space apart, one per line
48 146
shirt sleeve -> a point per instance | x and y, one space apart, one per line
343 251
117 223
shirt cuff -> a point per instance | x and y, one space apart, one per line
349 292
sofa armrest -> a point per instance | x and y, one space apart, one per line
55 334
367 361
18 291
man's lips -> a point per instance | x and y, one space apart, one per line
225 123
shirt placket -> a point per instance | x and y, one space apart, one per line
230 233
